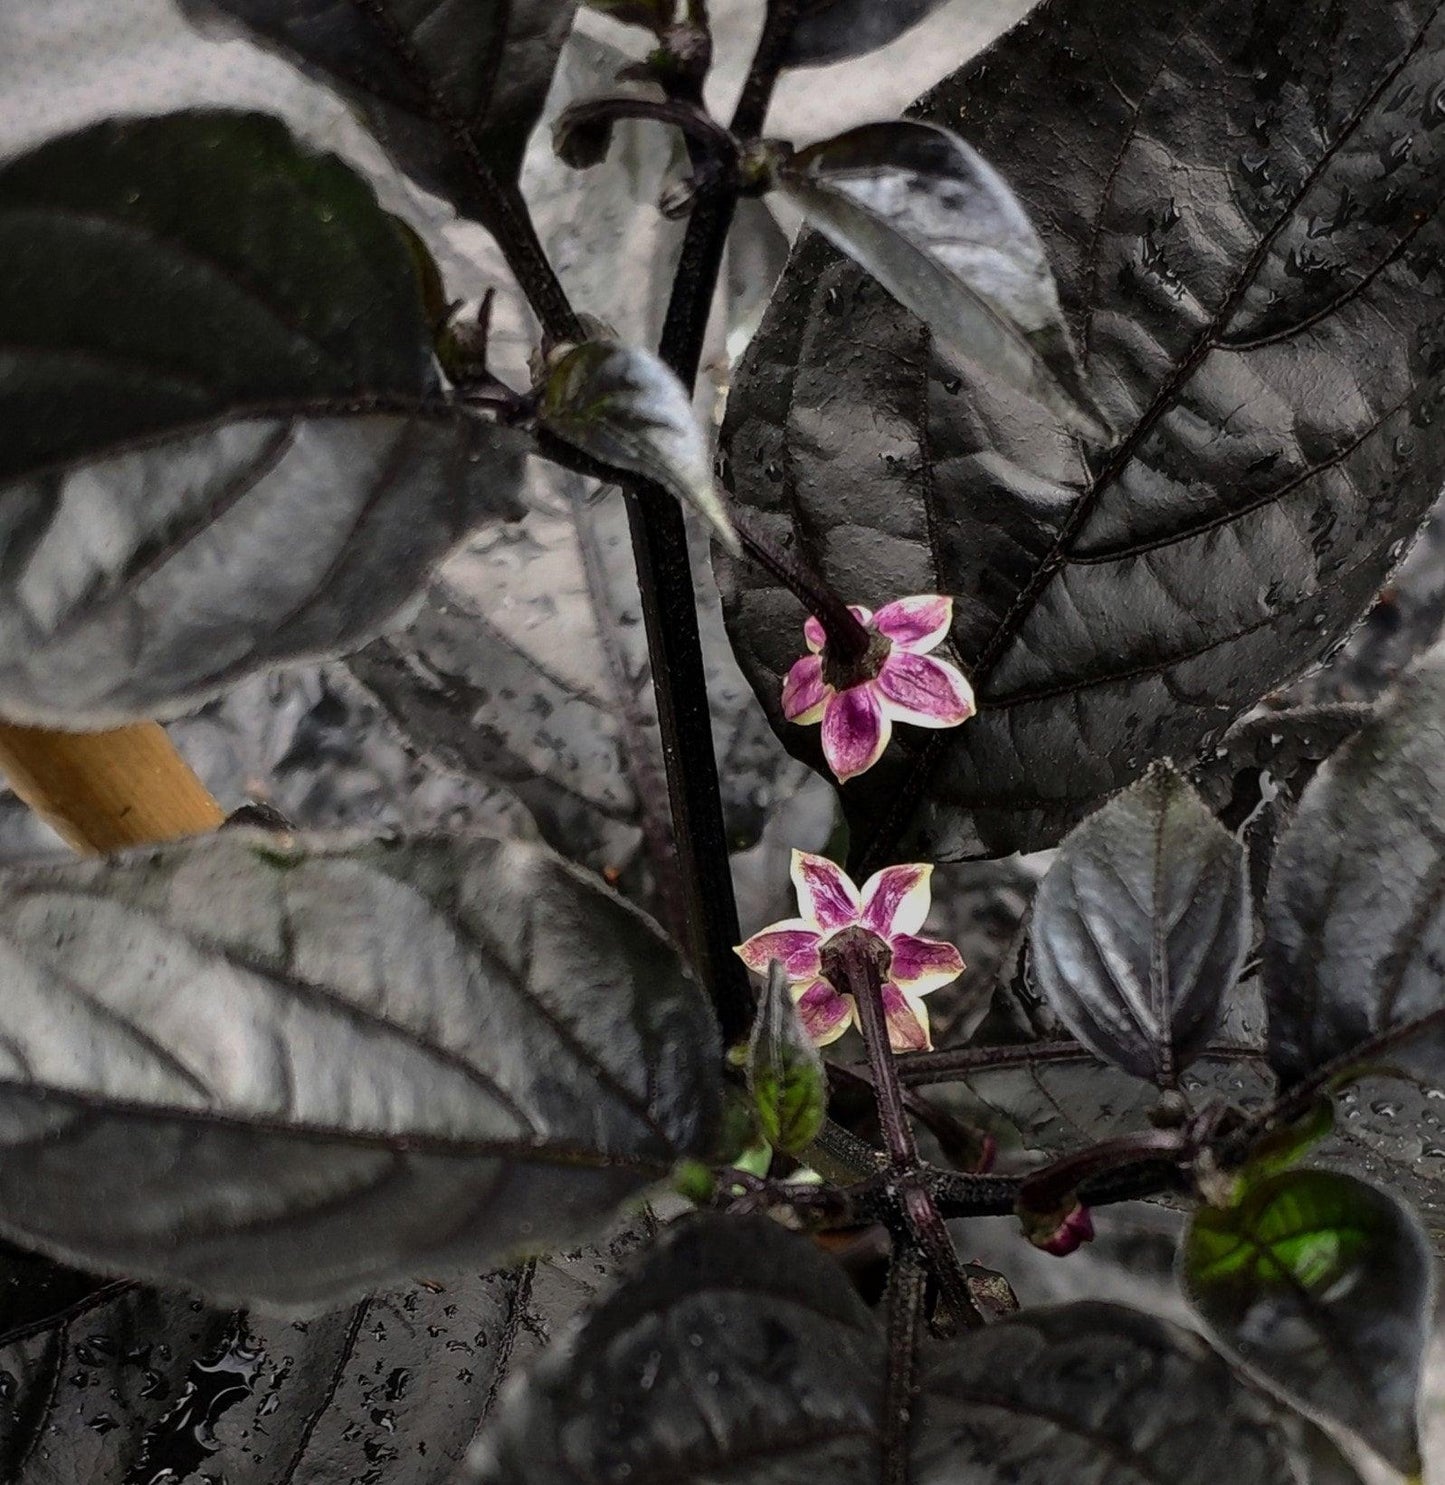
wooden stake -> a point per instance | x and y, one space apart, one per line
102 791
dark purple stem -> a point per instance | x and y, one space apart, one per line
850 962
906 1282
699 126
848 639
1047 1189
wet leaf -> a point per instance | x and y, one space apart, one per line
1055 1098
736 1350
125 1382
1141 926
620 404
1322 1284
1355 935
1255 299
240 453
785 1071
831 30
937 226
443 86
1098 1392
289 1069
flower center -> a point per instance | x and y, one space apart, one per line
834 951
843 675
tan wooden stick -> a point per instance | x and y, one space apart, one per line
105 790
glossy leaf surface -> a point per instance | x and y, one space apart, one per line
736 1351
113 1381
288 1069
443 85
937 226
235 454
1141 926
1252 276
1097 1392
831 30
1323 1284
623 405
1355 929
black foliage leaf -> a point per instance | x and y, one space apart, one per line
1324 1285
1246 237
831 30
1354 945
238 452
116 1382
736 1350
445 84
1095 1391
626 407
288 1069
939 228
1141 926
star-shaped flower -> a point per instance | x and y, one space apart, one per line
892 907
898 682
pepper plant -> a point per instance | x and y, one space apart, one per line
1098 400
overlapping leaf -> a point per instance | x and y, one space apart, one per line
288 1069
445 86
736 1350
1095 1391
626 407
1140 928
937 226
227 442
1252 276
1355 930
1324 1285
113 1381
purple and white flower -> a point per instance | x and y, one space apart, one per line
892 907
901 682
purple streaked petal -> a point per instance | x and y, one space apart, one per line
923 965
924 691
805 692
907 1019
826 894
794 942
856 730
915 624
895 900
816 636
824 1013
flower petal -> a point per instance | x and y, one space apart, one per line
924 691
856 730
895 900
805 692
826 894
915 624
816 636
824 1013
923 965
907 1019
794 942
